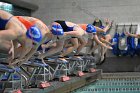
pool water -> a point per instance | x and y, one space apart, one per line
113 84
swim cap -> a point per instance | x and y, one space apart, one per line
34 33
57 30
90 29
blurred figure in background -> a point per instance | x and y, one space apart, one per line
104 36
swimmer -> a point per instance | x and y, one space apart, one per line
105 37
71 31
11 29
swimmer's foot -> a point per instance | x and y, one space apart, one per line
61 60
78 57
102 58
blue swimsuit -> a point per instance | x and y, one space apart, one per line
3 23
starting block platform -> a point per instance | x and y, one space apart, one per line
66 87
40 72
60 68
11 78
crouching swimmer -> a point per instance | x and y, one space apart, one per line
11 30
37 33
88 37
65 30
70 30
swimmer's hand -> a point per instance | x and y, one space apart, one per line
108 22
62 59
11 51
44 47
78 57
127 33
15 62
109 47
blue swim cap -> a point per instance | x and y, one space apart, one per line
90 29
57 30
34 33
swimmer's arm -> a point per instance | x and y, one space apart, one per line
53 50
102 30
34 49
48 45
138 35
11 51
134 35
105 41
100 43
25 57
107 27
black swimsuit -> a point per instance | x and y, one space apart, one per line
64 26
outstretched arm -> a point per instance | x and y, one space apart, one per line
105 41
30 53
34 48
106 28
11 51
100 43
53 50
20 52
132 35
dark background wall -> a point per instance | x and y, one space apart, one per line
19 7
121 64
21 11
80 11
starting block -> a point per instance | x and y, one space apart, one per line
60 68
75 65
80 73
89 63
10 78
41 72
92 70
64 78
44 84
